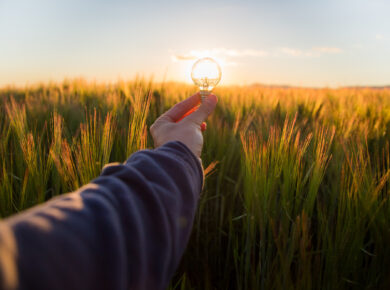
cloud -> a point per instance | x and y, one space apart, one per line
380 37
229 56
221 53
292 51
313 52
178 57
246 52
231 63
328 50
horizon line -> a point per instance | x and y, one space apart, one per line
150 79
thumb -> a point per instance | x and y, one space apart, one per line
204 110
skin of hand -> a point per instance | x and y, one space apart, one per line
184 122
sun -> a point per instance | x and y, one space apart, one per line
205 69
206 73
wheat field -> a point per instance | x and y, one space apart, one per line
297 179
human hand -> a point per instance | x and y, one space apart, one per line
184 123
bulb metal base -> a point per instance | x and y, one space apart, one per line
204 94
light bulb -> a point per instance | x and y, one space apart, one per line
206 74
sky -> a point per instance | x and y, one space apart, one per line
277 42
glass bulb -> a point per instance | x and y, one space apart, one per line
206 74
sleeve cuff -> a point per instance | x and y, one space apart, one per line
182 152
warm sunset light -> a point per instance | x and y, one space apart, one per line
206 74
297 43
208 144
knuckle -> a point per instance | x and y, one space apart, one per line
153 128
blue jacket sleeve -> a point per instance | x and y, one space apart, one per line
127 229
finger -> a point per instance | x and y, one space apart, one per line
203 127
188 113
177 111
205 109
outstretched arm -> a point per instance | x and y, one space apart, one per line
127 229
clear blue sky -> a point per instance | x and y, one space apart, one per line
309 43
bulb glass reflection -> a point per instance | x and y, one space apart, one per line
206 74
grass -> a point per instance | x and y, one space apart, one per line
297 186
